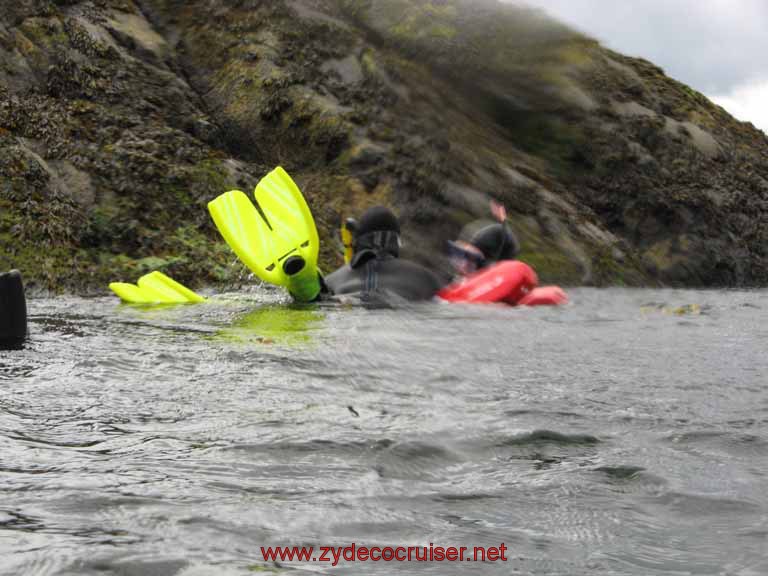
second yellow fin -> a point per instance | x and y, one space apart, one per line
155 288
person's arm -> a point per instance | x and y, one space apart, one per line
512 249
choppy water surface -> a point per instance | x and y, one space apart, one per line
613 436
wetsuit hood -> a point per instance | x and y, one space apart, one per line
377 236
496 242
482 243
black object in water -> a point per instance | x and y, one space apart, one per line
13 310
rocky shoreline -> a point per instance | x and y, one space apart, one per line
120 119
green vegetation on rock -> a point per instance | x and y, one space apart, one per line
120 120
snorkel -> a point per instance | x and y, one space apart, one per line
348 228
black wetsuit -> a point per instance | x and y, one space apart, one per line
375 271
384 275
13 310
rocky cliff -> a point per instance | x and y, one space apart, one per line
120 119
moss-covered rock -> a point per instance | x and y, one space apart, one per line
121 119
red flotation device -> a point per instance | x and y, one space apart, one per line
544 296
507 281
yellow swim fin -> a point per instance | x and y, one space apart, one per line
155 288
131 293
279 242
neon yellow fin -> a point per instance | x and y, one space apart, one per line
245 231
168 288
264 241
155 288
294 230
130 293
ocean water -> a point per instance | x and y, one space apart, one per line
623 434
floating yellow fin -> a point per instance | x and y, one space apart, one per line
155 288
130 293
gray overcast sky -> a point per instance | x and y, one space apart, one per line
720 47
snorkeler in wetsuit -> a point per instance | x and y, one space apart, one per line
279 243
485 243
488 269
375 266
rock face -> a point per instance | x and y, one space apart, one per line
120 119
